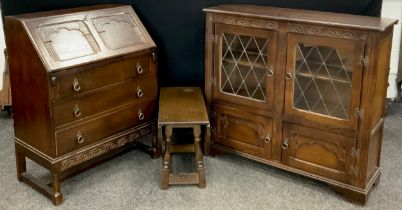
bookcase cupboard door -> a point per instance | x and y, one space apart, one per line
323 79
318 152
243 131
245 65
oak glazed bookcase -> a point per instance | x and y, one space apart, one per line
300 90
84 86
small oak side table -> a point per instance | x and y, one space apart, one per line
182 107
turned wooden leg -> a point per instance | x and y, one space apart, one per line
198 156
20 163
156 149
57 197
166 158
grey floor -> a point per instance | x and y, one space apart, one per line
131 181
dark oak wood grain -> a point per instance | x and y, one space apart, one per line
84 86
323 107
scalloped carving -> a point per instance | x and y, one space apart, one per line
301 142
104 148
257 126
327 31
68 40
118 31
245 21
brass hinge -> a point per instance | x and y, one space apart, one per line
359 113
154 57
354 171
364 60
212 38
54 80
214 81
213 114
355 152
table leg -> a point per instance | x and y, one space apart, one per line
198 156
166 158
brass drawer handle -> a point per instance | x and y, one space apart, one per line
267 138
139 68
80 138
288 76
270 72
285 144
141 115
139 92
76 85
77 111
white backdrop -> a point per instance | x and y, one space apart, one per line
393 9
2 46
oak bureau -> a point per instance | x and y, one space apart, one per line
84 85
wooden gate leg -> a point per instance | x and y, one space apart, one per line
21 163
156 147
166 158
57 197
198 156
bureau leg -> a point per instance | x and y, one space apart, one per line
57 197
166 158
198 156
20 163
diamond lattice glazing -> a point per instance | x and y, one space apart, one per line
323 81
244 66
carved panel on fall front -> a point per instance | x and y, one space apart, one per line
319 152
118 31
248 135
68 40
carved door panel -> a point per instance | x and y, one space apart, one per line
118 30
318 152
323 79
245 65
67 40
244 132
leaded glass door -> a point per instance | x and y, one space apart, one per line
323 79
245 65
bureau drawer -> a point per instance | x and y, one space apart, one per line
134 91
99 75
78 136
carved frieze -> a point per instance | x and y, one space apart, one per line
104 148
327 31
245 21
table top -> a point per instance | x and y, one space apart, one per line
182 105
